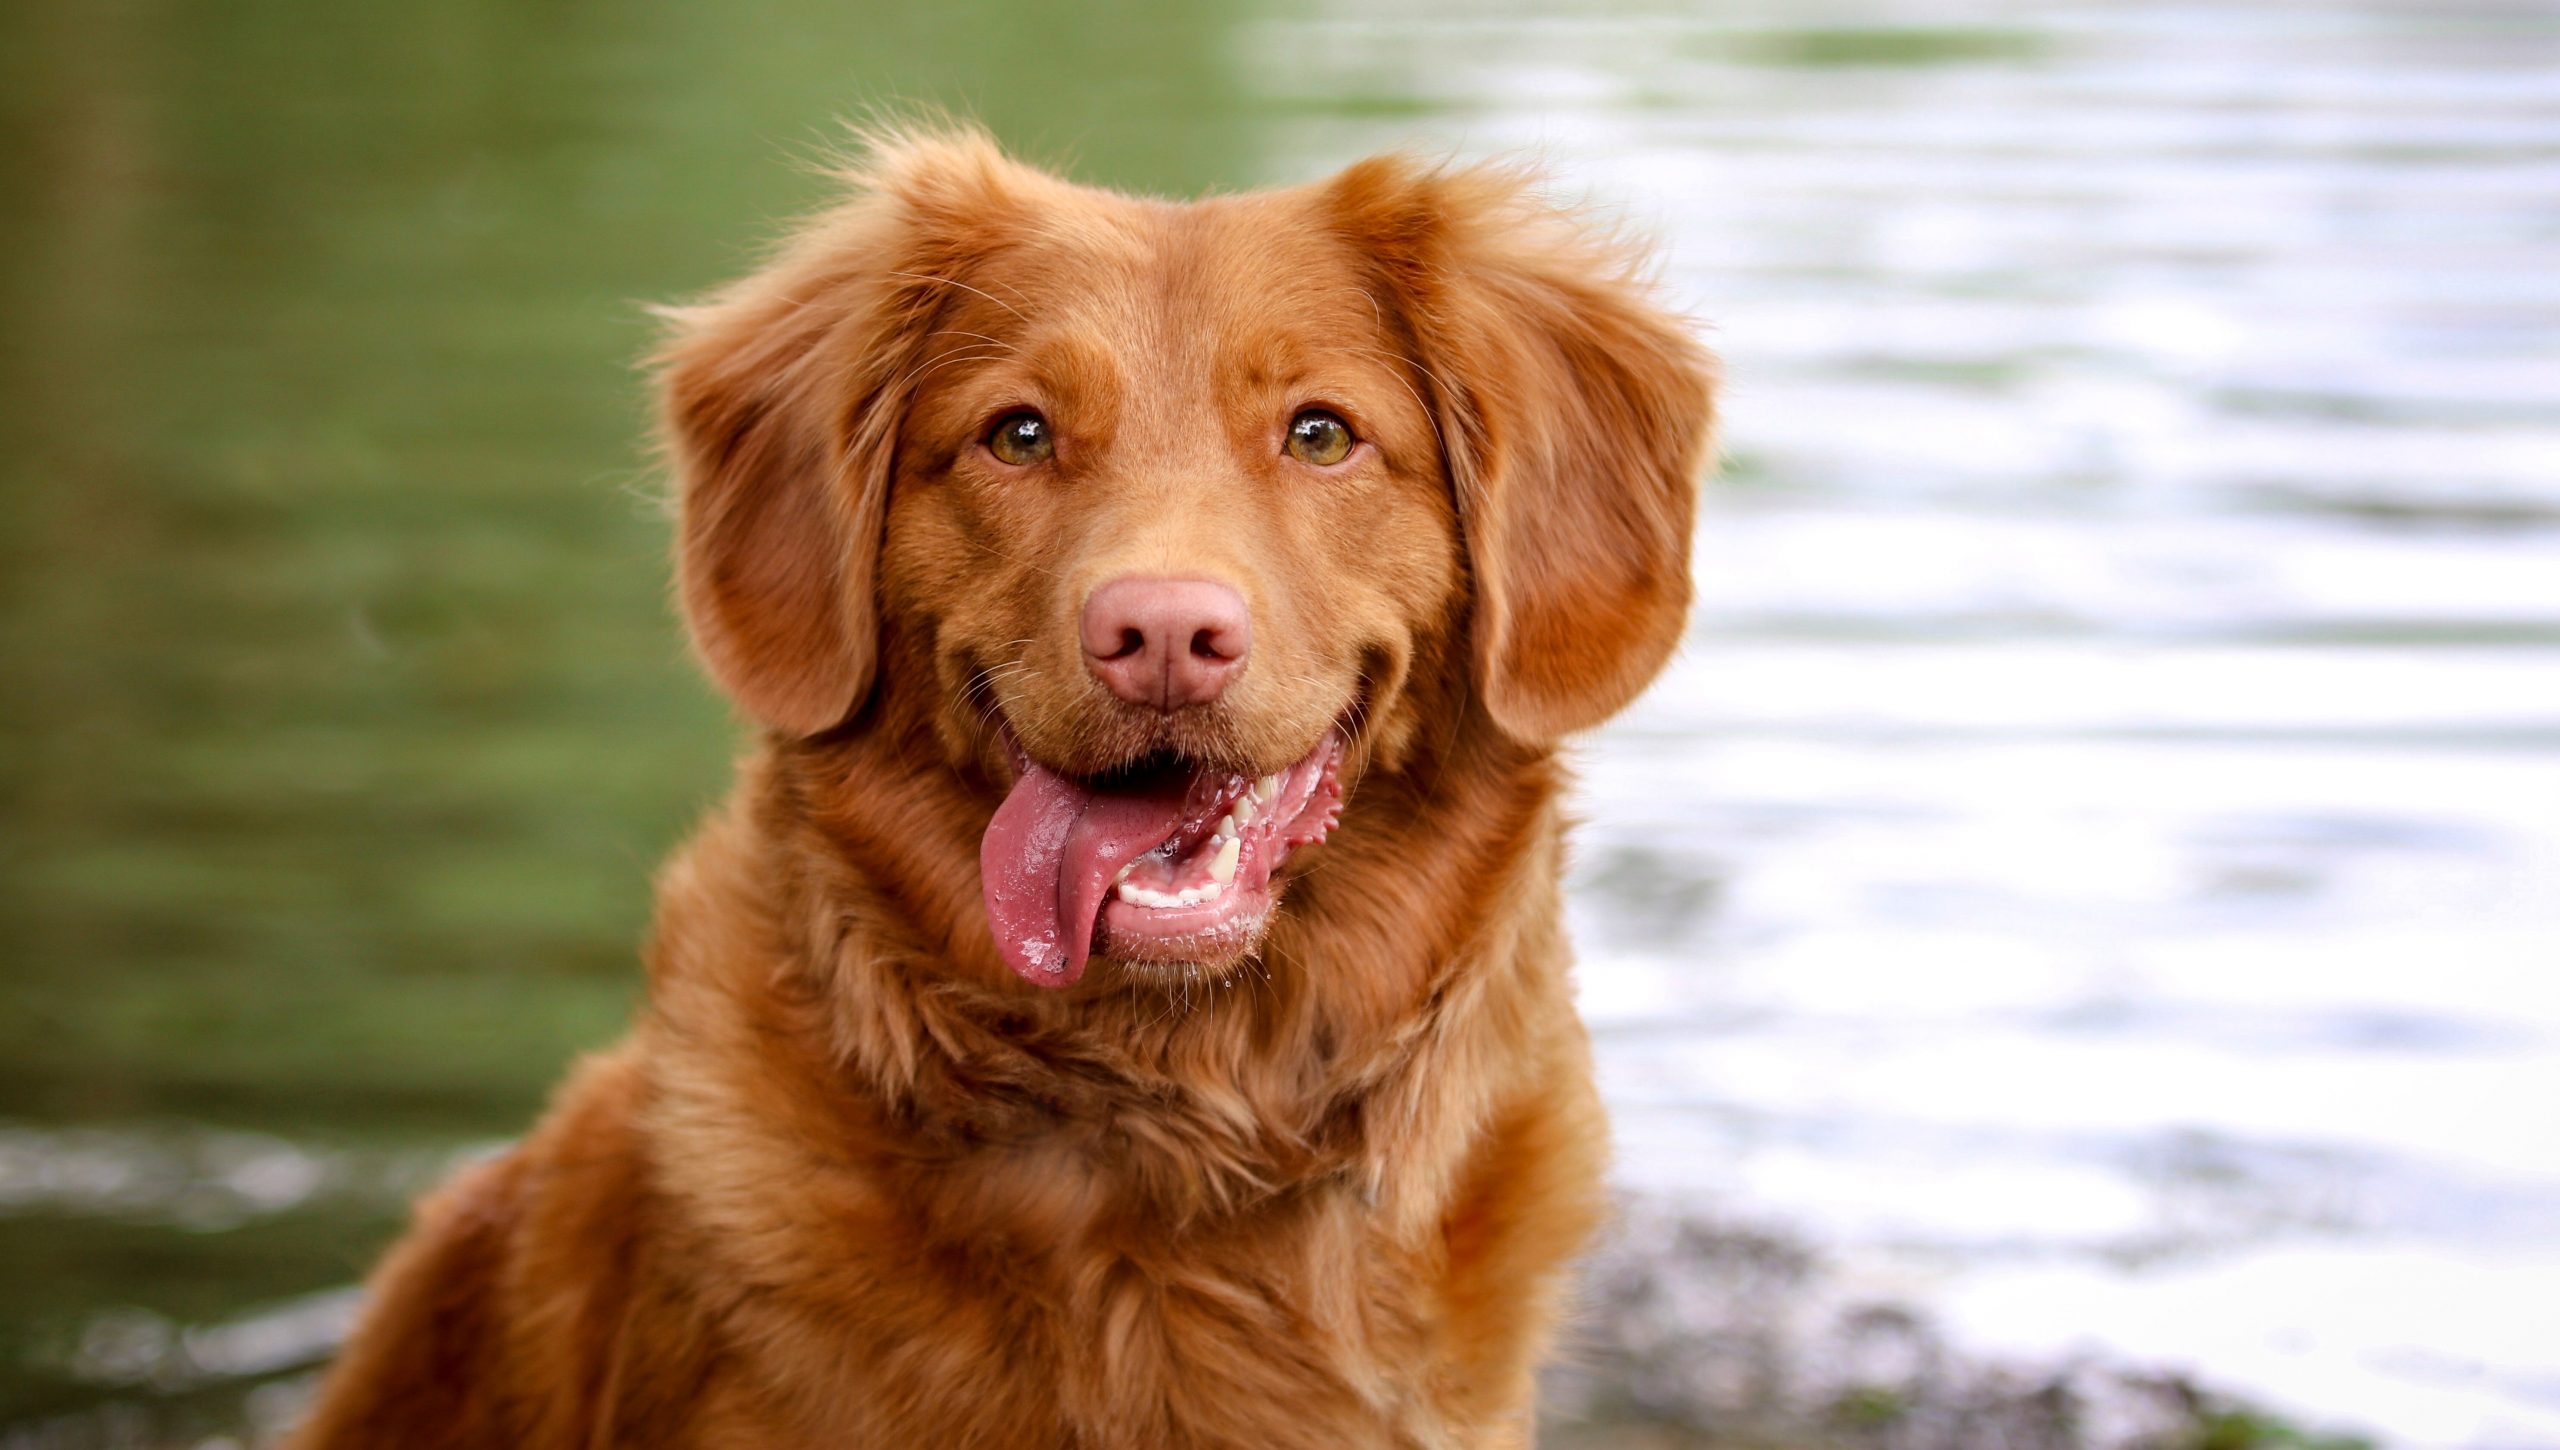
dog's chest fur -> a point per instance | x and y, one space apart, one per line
1078 1311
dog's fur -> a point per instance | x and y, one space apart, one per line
851 1182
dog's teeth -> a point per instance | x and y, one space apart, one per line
1267 787
1136 895
1226 827
1244 812
1222 867
1124 873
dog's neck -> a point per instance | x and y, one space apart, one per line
1311 1064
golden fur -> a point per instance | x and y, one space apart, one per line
851 1182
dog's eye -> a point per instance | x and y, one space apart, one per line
1318 437
1021 439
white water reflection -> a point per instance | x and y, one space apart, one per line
201 1179
2096 870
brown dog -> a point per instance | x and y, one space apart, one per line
1125 1002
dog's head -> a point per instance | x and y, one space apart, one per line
1174 519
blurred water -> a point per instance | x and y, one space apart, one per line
2093 877
2095 871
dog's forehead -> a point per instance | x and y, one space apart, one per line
1158 277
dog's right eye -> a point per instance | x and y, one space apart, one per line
1320 438
1021 439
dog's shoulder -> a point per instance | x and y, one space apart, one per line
512 1278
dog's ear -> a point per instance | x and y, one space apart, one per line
780 401
1576 414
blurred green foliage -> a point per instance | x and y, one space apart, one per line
345 719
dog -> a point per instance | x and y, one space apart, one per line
1125 1000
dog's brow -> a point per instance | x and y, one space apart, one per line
963 286
1429 414
966 352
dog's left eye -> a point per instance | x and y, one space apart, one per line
1320 438
1021 439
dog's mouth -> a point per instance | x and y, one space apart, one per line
1169 861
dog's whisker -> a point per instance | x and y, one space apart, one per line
963 286
982 337
973 352
1406 383
1013 670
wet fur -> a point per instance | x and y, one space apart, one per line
849 1181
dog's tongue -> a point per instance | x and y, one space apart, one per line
1051 853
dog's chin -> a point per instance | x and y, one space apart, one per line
1179 943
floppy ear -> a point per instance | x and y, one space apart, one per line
780 398
1577 416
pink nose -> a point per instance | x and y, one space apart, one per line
1166 642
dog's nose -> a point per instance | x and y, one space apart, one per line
1166 642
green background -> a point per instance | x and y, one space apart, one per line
345 718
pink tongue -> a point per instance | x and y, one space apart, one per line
1049 856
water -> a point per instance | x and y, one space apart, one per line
2095 872
2092 881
